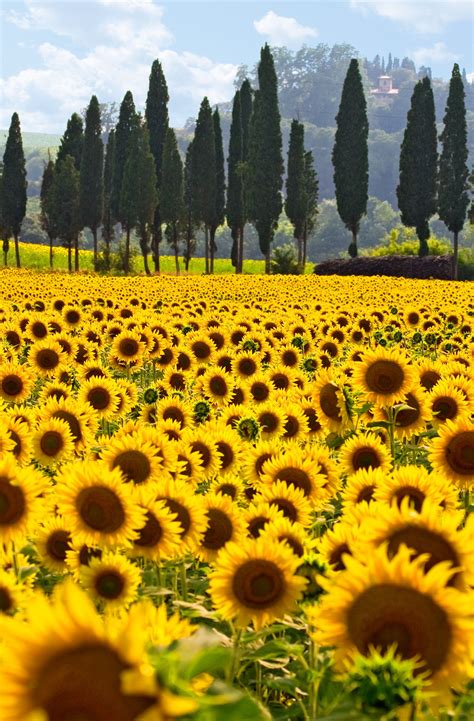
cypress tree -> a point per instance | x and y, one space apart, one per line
4 233
246 113
72 141
123 135
172 193
156 114
66 204
219 214
453 171
350 154
311 186
108 232
128 206
92 168
470 212
189 220
204 173
235 206
14 184
295 205
47 206
146 193
265 161
416 191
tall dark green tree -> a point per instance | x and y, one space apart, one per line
265 161
123 135
417 188
66 206
295 204
189 219
108 221
350 154
204 173
235 196
246 104
219 209
14 184
453 198
156 114
92 169
47 206
172 193
72 141
311 185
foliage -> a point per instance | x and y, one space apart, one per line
403 241
72 141
123 135
172 192
284 260
14 184
204 167
91 186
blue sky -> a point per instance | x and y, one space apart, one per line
55 55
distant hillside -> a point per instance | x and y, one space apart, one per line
33 140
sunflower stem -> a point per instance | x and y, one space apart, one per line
184 581
232 668
391 434
315 681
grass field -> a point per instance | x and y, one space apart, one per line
36 257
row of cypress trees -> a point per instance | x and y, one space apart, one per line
141 182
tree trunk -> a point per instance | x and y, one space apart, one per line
94 236
455 255
145 262
212 235
69 257
5 258
156 240
127 252
206 246
240 249
51 253
353 245
17 251
76 253
305 243
267 262
176 259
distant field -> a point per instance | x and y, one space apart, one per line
33 140
36 257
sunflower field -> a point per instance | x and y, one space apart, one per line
236 498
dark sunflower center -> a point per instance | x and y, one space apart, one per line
128 347
226 453
294 544
291 427
365 457
218 386
184 362
445 407
366 494
151 533
261 460
84 684
109 585
186 466
39 329
57 545
73 423
175 414
328 401
416 497
388 613
312 420
12 503
429 379
6 601
12 385
297 477
384 377
13 338
99 398
201 350
460 453
286 507
269 422
100 508
134 465
258 584
260 391
289 358
228 489
47 358
204 452
177 381
86 554
256 525
219 529
407 416
182 514
17 441
423 540
51 443
413 318
336 560
72 316
247 366
281 381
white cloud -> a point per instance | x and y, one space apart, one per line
424 16
470 77
283 31
123 40
437 53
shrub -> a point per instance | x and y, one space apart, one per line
405 242
284 261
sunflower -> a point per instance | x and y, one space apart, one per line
52 442
201 347
361 486
80 418
64 661
111 581
137 459
381 602
427 532
256 581
176 410
54 389
385 376
297 469
293 534
295 427
412 420
101 394
452 454
72 315
14 595
170 429
47 358
225 524
202 442
187 509
37 327
330 402
21 504
97 505
7 444
189 466
446 402
259 388
127 350
271 418
231 486
160 536
258 515
337 544
416 484
217 385
53 541
16 382
282 378
291 501
315 428
430 372
230 447
364 451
